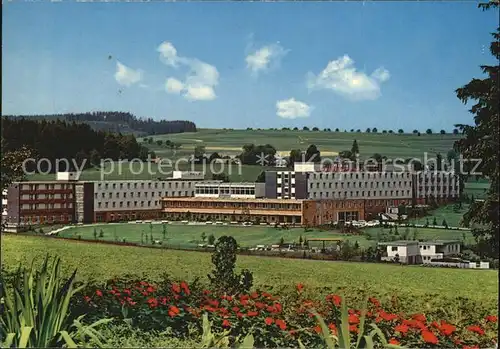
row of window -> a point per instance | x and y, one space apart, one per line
360 184
44 206
68 196
128 204
46 186
235 205
143 185
362 175
47 219
138 194
359 194
226 191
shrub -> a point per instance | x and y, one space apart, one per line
35 310
223 278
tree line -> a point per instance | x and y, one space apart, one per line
59 139
368 130
115 119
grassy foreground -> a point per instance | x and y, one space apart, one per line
102 262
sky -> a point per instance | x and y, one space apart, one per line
331 65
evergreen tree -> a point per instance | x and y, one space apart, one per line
355 148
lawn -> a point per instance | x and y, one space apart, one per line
447 213
186 236
190 235
101 262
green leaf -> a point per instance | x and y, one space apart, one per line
248 342
25 337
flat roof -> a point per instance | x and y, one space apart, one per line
441 242
271 201
227 183
399 243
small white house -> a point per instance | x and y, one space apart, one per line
407 251
438 249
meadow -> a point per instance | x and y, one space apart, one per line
101 262
189 236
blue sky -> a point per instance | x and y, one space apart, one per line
347 65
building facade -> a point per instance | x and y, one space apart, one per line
131 200
219 189
438 249
233 210
406 251
442 186
40 202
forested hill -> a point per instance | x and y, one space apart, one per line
59 139
119 122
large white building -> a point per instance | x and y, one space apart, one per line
138 195
359 185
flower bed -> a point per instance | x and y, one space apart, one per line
275 321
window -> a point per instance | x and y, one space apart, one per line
394 248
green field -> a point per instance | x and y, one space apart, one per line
390 145
188 236
445 212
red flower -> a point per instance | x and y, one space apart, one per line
491 318
254 295
266 295
281 324
292 332
226 323
278 307
419 317
260 305
393 341
98 293
176 288
332 328
300 287
414 324
150 289
317 329
429 337
206 292
229 298
240 314
353 328
244 301
468 347
387 317
374 301
476 329
335 299
87 299
446 329
173 311
353 319
127 291
236 309
252 313
268 321
153 302
401 328
185 288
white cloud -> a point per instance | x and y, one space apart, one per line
265 58
127 76
174 86
201 78
341 77
292 109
